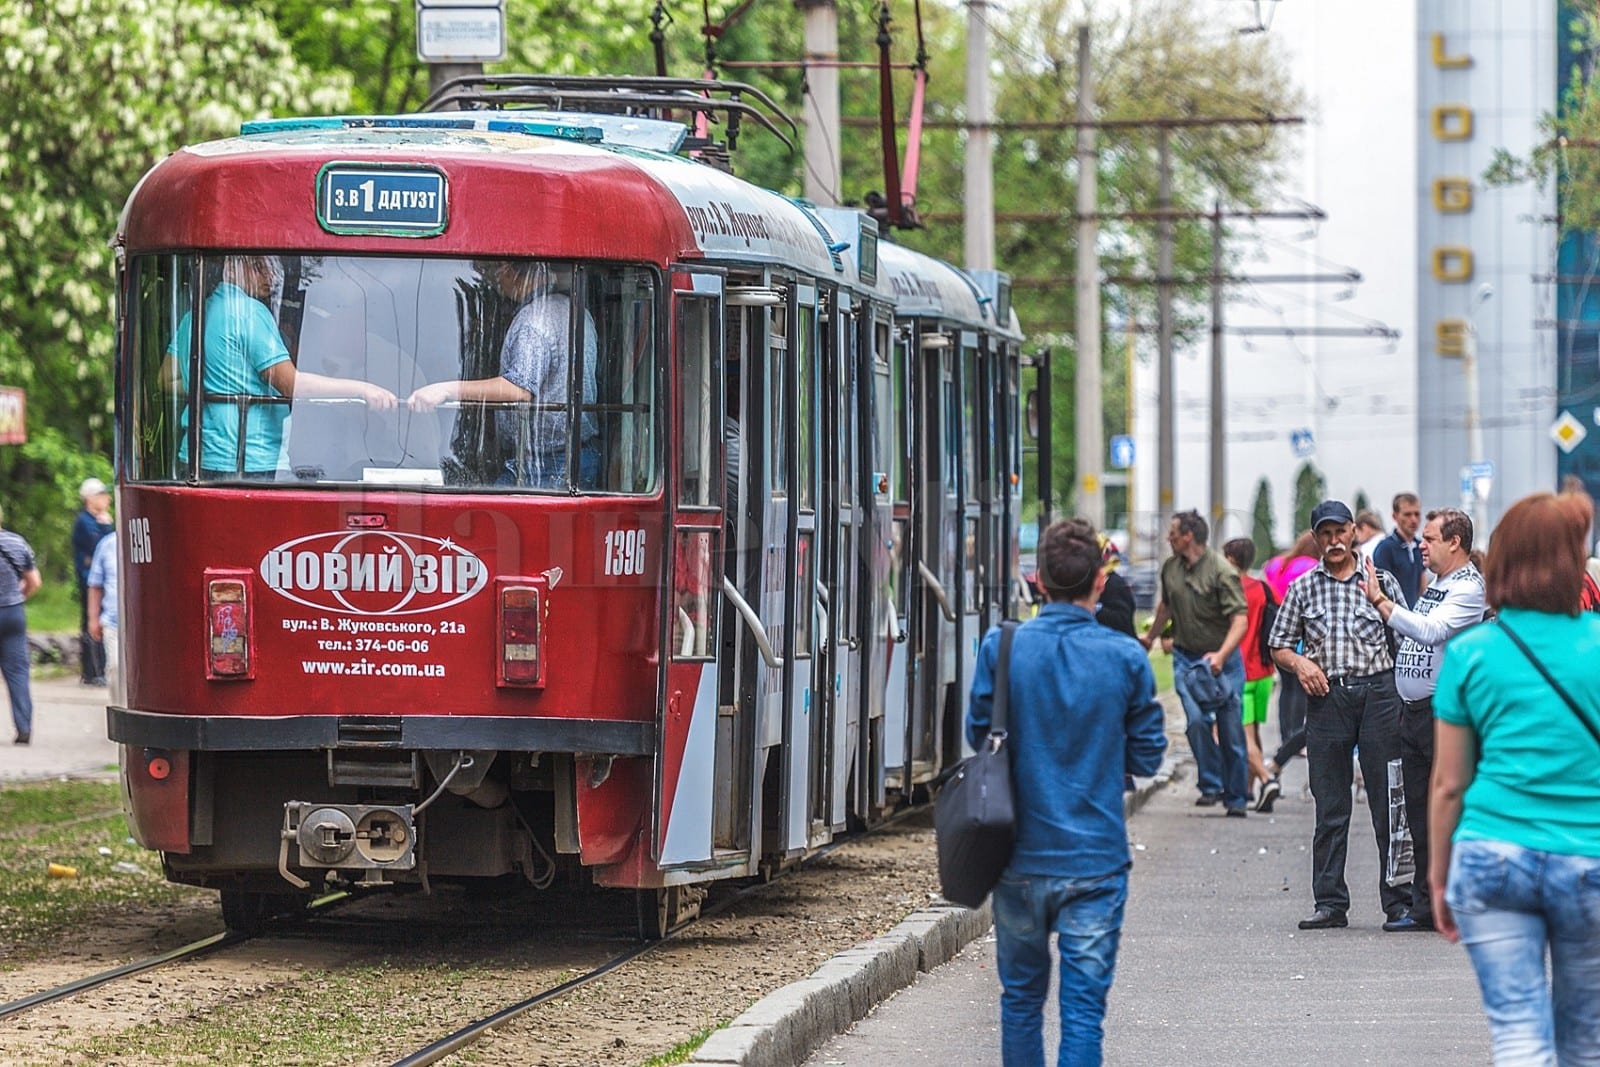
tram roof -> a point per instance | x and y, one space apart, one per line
608 188
922 285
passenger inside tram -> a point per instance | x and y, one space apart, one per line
534 368
248 378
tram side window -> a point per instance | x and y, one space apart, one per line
778 340
154 425
969 427
805 431
693 618
697 402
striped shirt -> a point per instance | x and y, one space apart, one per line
1343 633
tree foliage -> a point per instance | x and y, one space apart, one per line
1261 521
96 92
1310 489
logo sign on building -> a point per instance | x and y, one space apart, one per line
461 31
1567 431
1122 451
13 416
398 201
373 572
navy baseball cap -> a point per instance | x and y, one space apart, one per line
1331 511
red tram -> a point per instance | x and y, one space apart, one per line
505 491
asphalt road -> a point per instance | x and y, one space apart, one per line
1212 970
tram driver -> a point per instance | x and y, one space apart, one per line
245 356
532 383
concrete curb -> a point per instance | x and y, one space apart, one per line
788 1024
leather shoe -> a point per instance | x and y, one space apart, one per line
23 739
1323 919
1405 922
1208 800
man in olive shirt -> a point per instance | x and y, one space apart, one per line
1201 594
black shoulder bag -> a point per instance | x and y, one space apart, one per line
1550 679
974 820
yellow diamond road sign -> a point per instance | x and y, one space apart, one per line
1567 432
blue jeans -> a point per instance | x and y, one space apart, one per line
14 665
1086 916
1221 768
1511 903
548 470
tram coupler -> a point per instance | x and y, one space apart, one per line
364 837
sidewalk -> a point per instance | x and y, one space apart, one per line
1212 970
69 734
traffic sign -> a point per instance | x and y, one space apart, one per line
1567 432
458 34
1303 443
1484 469
1122 451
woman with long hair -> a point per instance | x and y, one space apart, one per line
1515 798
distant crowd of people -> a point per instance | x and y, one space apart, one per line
1471 676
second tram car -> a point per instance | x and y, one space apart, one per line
505 492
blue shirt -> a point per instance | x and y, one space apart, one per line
17 561
103 575
87 531
1536 783
1403 559
1082 713
242 342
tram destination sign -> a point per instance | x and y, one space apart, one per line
363 198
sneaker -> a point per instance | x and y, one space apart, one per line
1208 800
1236 813
1269 795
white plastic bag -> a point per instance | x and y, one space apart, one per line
1402 866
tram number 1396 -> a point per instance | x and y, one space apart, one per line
624 552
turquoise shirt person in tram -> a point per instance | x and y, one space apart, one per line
245 355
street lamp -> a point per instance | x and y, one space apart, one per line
1469 371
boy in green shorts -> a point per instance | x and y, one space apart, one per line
1258 667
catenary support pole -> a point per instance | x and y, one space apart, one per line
1166 466
979 172
1219 441
1090 445
820 111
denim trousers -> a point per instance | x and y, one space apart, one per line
1364 713
1222 764
14 664
1085 914
1291 718
1512 904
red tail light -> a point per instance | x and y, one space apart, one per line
521 639
228 637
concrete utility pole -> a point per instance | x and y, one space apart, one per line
1166 465
979 215
1219 440
439 73
1090 418
823 170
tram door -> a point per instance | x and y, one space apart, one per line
805 725
976 531
939 525
834 675
888 553
706 735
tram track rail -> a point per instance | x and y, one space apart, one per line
482 1027
192 951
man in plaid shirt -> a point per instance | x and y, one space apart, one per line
1347 669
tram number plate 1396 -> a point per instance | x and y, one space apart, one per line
399 201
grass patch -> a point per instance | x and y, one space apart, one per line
69 823
54 608
1161 664
681 1052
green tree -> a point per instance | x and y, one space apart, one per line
1261 521
1310 488
1362 503
96 92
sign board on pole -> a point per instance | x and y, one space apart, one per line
1302 442
1122 451
1567 432
460 34
13 416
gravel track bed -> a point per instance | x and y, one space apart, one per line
384 976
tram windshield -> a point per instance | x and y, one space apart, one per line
526 375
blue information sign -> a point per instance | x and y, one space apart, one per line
361 198
1122 451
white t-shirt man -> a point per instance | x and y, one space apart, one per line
1449 605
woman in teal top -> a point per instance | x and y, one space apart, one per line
1516 790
